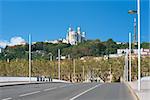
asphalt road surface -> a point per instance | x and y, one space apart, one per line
67 91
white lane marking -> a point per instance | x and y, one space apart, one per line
7 99
62 86
29 93
56 87
65 85
50 89
85 91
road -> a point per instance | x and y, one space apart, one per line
67 91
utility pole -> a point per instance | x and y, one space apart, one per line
74 69
59 64
30 57
130 57
69 68
83 73
125 79
110 74
139 50
126 64
124 74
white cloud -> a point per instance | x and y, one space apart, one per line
16 41
13 41
3 44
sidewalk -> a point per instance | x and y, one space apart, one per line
11 81
144 94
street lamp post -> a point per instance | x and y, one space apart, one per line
139 47
130 77
139 51
134 12
126 66
59 64
29 58
74 70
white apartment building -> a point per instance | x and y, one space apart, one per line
135 51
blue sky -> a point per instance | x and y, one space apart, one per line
50 19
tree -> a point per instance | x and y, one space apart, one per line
145 45
111 47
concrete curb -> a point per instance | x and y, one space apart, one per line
132 91
24 84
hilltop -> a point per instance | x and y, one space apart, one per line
42 50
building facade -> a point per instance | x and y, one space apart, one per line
144 52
